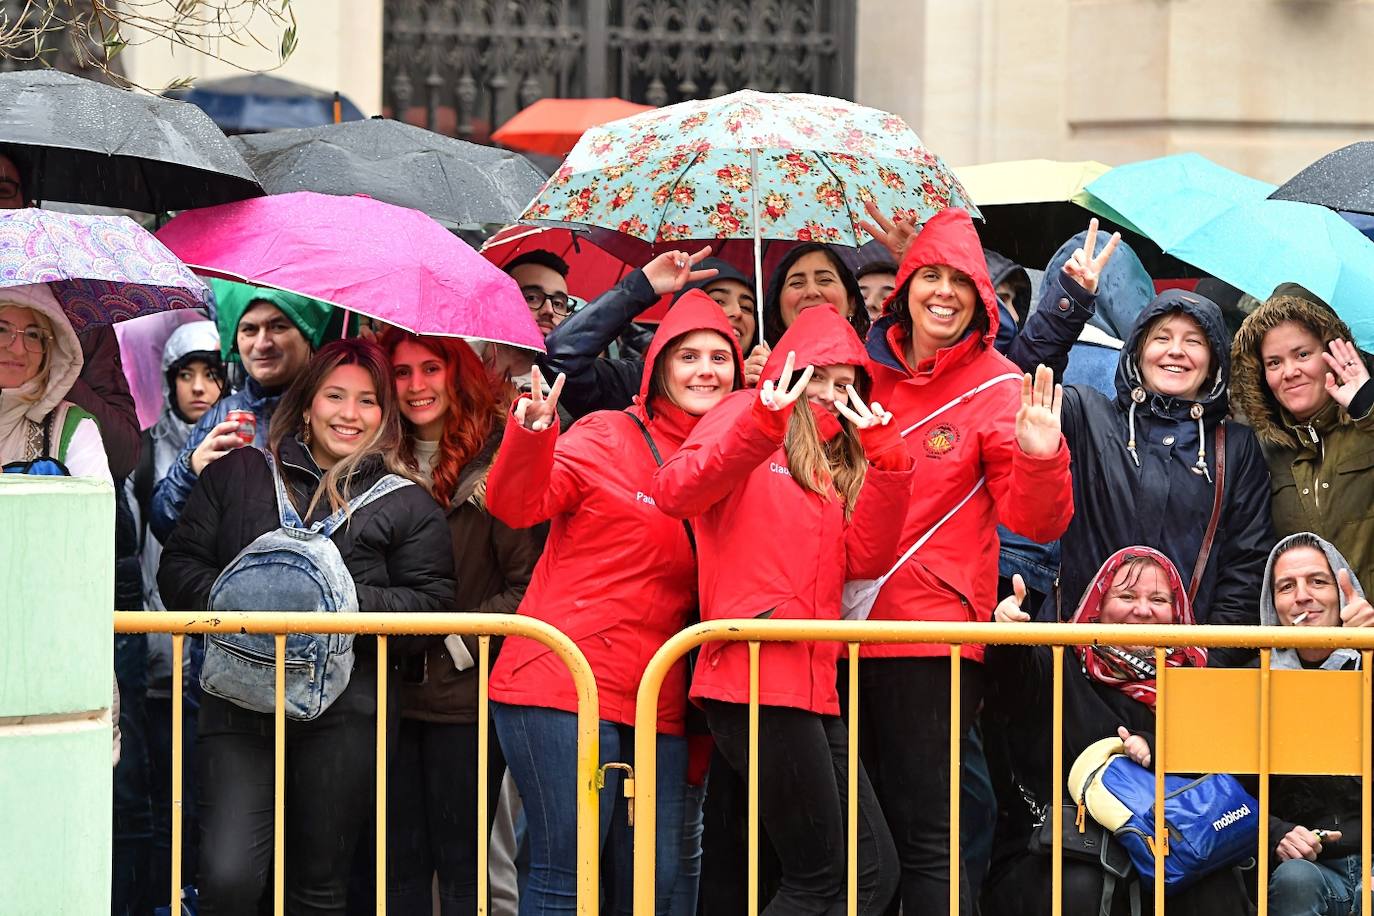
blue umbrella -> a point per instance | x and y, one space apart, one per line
1223 222
256 103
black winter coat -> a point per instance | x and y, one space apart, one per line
398 548
1160 500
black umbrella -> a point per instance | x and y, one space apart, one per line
1343 180
455 182
85 142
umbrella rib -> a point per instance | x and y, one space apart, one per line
849 211
676 181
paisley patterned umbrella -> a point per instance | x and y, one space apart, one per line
688 172
102 269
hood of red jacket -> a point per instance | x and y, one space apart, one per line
819 337
949 238
693 311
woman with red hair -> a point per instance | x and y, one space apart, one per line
451 413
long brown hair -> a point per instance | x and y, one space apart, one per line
289 417
832 468
475 407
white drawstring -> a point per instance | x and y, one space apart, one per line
1201 467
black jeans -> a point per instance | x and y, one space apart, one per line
131 892
904 733
803 795
432 816
160 771
330 776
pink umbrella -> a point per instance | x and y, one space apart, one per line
387 262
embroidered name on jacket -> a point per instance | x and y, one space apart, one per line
643 497
779 468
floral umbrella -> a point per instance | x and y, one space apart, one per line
688 172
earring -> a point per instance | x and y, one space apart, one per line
305 433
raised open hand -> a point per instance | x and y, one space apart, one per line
895 234
1085 266
785 393
1348 371
1137 748
862 416
1037 422
538 411
1008 610
672 270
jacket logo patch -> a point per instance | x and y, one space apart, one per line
940 440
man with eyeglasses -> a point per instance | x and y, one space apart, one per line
543 280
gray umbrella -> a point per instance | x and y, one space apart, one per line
85 142
1343 180
455 182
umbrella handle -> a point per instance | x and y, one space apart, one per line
758 244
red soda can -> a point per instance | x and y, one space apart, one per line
247 424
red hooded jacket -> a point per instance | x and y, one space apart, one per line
767 546
954 574
617 575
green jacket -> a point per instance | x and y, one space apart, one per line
1322 471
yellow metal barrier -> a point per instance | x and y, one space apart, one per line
1207 699
382 626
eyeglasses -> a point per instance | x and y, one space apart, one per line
535 297
35 340
8 188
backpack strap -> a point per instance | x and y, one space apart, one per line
388 483
658 460
286 511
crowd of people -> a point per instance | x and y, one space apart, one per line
924 439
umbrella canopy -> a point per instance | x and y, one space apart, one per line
102 269
258 102
1343 180
455 182
1224 223
387 262
86 142
552 127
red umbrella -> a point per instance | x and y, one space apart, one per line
553 126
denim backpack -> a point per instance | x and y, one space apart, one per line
291 568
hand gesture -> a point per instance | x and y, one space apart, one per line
1137 748
1356 611
785 393
753 366
894 234
1347 373
220 441
1037 422
672 270
1301 843
862 416
1009 609
1084 266
538 412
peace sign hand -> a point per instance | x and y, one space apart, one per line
538 412
894 234
1356 611
862 416
1084 267
1037 422
781 396
1348 371
672 270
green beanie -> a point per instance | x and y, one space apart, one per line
310 316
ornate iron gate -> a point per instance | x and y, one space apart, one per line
464 66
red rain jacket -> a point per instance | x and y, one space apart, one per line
617 575
954 575
768 547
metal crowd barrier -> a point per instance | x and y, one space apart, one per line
384 625
1254 720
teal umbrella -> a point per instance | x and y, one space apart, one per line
1223 222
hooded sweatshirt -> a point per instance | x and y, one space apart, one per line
617 575
1002 269
954 574
1339 659
1322 471
26 409
768 547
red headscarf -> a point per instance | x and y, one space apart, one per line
1119 668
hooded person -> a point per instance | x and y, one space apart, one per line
574 348
618 576
1012 286
789 499
1314 420
41 432
990 450
273 333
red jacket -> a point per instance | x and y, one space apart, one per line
954 574
769 547
617 575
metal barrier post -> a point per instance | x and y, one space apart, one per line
753 805
852 854
1366 753
955 746
1161 843
380 838
1057 786
279 784
178 645
1262 860
483 759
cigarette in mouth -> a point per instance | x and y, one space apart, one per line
1300 618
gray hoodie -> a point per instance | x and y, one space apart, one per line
1288 658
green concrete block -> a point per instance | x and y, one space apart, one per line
56 795
57 566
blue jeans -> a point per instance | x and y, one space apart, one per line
689 872
540 746
1328 887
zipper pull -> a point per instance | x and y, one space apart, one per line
1079 820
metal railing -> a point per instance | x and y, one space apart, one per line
1223 689
383 625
